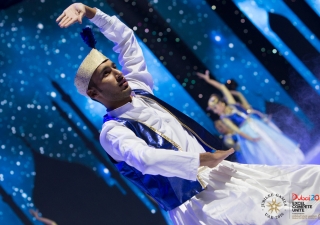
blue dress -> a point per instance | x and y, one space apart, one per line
273 148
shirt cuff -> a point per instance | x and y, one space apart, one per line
194 165
100 19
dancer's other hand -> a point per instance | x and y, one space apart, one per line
255 139
34 213
213 159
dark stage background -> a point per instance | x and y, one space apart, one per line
50 156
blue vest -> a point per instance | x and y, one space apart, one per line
168 192
238 117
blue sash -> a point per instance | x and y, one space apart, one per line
168 192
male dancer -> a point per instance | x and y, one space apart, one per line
165 153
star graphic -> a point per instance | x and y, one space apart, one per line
274 206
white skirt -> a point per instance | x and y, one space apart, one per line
273 148
253 194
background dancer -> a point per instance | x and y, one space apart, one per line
259 142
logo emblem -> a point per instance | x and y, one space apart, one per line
274 206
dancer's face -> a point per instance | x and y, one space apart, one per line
218 108
108 86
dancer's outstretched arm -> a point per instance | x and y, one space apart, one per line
122 144
244 103
221 87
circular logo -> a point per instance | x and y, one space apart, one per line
274 205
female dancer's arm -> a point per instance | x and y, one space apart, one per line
233 127
244 103
221 87
42 219
264 117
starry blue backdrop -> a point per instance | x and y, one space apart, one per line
50 156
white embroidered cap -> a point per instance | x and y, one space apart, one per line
86 69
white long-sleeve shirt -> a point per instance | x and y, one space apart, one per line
119 141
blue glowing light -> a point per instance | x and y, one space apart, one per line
217 38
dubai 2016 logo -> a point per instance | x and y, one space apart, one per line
274 206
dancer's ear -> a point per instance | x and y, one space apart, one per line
92 93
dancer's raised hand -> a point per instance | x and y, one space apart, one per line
74 13
204 76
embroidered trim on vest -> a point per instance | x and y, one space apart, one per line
184 125
161 134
